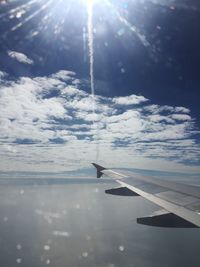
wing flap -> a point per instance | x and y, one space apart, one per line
121 191
165 219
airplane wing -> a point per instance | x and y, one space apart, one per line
180 202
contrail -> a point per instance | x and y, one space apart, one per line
91 43
91 57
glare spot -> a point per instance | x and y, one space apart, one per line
34 33
48 216
123 70
49 221
85 254
100 29
19 247
20 13
88 237
60 233
96 190
121 32
48 261
19 260
46 247
121 248
64 212
78 206
5 219
21 191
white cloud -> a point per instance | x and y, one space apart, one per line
22 58
181 110
64 75
154 109
168 132
48 124
129 100
87 117
181 117
160 118
72 91
2 75
84 104
165 108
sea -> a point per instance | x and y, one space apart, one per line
73 223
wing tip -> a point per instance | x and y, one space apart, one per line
99 169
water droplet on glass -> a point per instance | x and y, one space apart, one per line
121 248
46 247
21 191
88 237
85 254
19 260
5 219
48 261
19 247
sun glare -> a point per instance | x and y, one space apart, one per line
92 2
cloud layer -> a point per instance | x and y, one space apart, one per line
48 124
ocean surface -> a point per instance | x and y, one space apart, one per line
76 224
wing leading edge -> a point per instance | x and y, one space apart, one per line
181 202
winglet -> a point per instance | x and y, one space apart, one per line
99 169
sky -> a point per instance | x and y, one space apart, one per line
111 81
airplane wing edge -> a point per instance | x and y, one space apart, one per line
148 191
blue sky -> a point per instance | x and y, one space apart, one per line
146 109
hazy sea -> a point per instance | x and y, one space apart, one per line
76 224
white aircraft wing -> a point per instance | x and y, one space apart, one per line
180 202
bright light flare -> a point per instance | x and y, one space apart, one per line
92 2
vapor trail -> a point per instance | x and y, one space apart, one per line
91 57
91 43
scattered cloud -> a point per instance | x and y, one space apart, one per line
51 124
2 75
22 58
129 100
181 110
181 117
154 109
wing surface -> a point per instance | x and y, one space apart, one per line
180 199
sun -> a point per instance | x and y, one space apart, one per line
92 2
